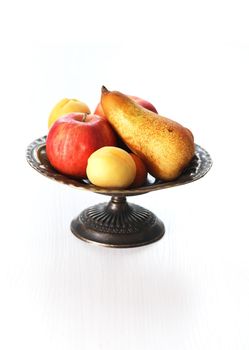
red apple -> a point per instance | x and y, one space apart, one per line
99 110
73 138
144 103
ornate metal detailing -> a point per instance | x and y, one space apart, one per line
118 224
117 217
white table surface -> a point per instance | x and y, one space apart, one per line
188 291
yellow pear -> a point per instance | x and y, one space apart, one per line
164 145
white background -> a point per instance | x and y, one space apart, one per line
188 291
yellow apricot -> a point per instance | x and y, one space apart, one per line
111 167
66 106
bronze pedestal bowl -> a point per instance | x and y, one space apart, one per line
117 223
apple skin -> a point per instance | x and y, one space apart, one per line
99 110
73 138
144 103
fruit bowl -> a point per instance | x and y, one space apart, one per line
117 223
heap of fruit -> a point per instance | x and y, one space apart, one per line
119 144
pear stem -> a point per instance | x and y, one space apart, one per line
104 90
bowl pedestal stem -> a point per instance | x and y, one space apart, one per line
117 224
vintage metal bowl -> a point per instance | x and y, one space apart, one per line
117 223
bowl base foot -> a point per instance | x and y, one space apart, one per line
118 224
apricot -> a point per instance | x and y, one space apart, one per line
111 167
66 106
141 171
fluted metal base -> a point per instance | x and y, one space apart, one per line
118 224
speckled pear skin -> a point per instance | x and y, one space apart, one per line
164 145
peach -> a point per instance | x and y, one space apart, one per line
111 167
66 106
141 171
